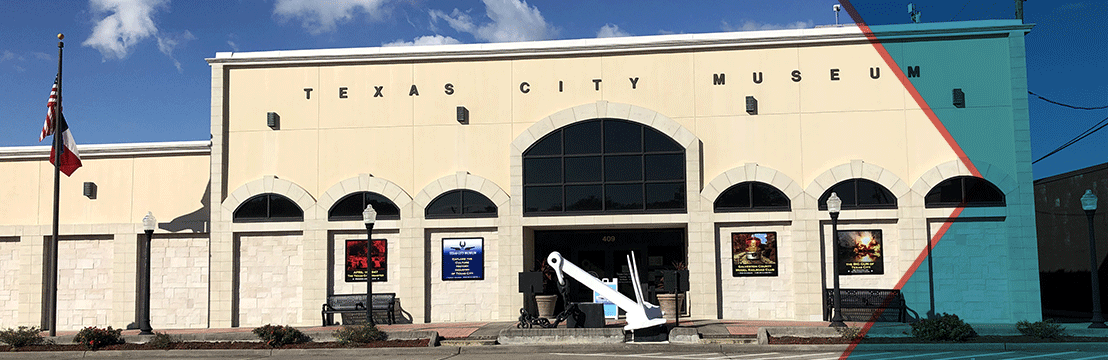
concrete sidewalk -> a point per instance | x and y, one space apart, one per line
709 331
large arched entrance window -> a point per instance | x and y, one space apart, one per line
604 166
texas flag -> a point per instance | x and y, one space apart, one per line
71 160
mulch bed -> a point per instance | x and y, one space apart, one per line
901 340
235 345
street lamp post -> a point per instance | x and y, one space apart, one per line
369 216
834 205
148 225
1088 203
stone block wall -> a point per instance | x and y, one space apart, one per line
9 281
464 300
179 283
84 283
270 279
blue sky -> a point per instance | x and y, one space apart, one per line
134 70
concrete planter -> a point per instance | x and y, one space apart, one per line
546 305
671 304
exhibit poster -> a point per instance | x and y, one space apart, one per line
463 259
356 260
754 254
860 252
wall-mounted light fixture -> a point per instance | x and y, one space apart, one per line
959 98
90 190
751 105
463 115
273 120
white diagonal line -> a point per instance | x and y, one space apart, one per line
749 355
853 356
976 355
1092 357
1035 356
912 356
690 356
643 355
792 356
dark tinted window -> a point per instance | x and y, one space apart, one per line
268 207
350 207
603 165
752 196
860 194
965 191
460 203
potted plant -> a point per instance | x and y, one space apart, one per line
673 302
548 298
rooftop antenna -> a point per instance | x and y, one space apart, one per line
913 13
836 8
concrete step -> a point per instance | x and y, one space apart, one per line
467 342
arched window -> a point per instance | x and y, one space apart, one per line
268 207
603 166
860 194
752 196
462 203
350 207
965 191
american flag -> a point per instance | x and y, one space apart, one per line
48 126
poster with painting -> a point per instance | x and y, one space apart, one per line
754 254
860 252
356 260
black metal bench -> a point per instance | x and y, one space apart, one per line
863 305
355 303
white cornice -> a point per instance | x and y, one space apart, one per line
112 150
622 45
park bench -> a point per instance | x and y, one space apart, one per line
863 304
355 304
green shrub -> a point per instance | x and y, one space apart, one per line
359 334
94 338
22 336
162 341
946 327
276 336
1045 329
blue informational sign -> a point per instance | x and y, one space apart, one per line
463 259
610 309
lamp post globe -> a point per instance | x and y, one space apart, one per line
369 216
149 223
1088 203
834 205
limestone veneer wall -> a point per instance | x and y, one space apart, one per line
9 281
84 283
179 282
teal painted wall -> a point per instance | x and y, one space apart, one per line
985 268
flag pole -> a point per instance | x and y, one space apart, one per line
52 302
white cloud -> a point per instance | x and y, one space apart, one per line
511 20
322 16
425 40
750 25
611 30
167 43
128 22
42 56
7 55
233 46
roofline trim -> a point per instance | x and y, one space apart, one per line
111 150
602 46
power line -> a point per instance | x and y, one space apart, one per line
1096 127
1067 105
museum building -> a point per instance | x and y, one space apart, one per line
714 153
